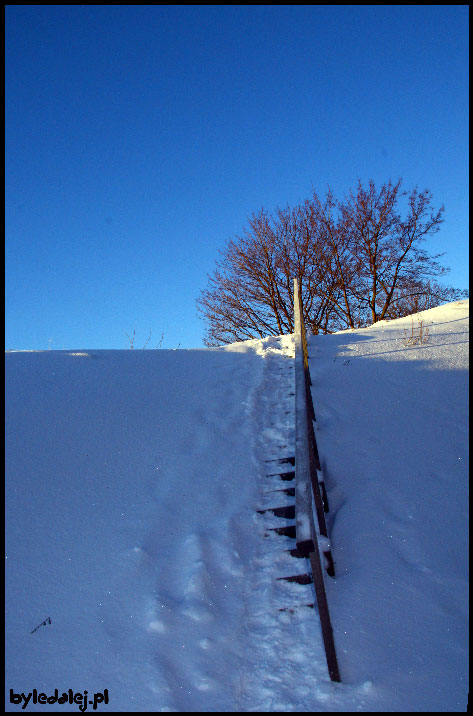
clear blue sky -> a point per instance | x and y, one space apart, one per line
140 138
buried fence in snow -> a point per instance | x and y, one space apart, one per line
311 541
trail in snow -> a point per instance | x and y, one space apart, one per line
192 559
285 668
274 677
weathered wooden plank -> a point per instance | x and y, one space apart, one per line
325 622
305 529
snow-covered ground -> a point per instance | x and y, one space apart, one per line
133 480
392 422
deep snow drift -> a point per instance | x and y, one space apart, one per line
133 480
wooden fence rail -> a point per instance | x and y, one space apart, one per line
311 540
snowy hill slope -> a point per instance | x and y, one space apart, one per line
133 480
392 418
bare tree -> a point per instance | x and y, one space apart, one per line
419 296
244 299
388 249
358 261
250 294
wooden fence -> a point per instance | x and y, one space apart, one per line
312 539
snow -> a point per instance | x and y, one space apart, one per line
133 480
392 434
